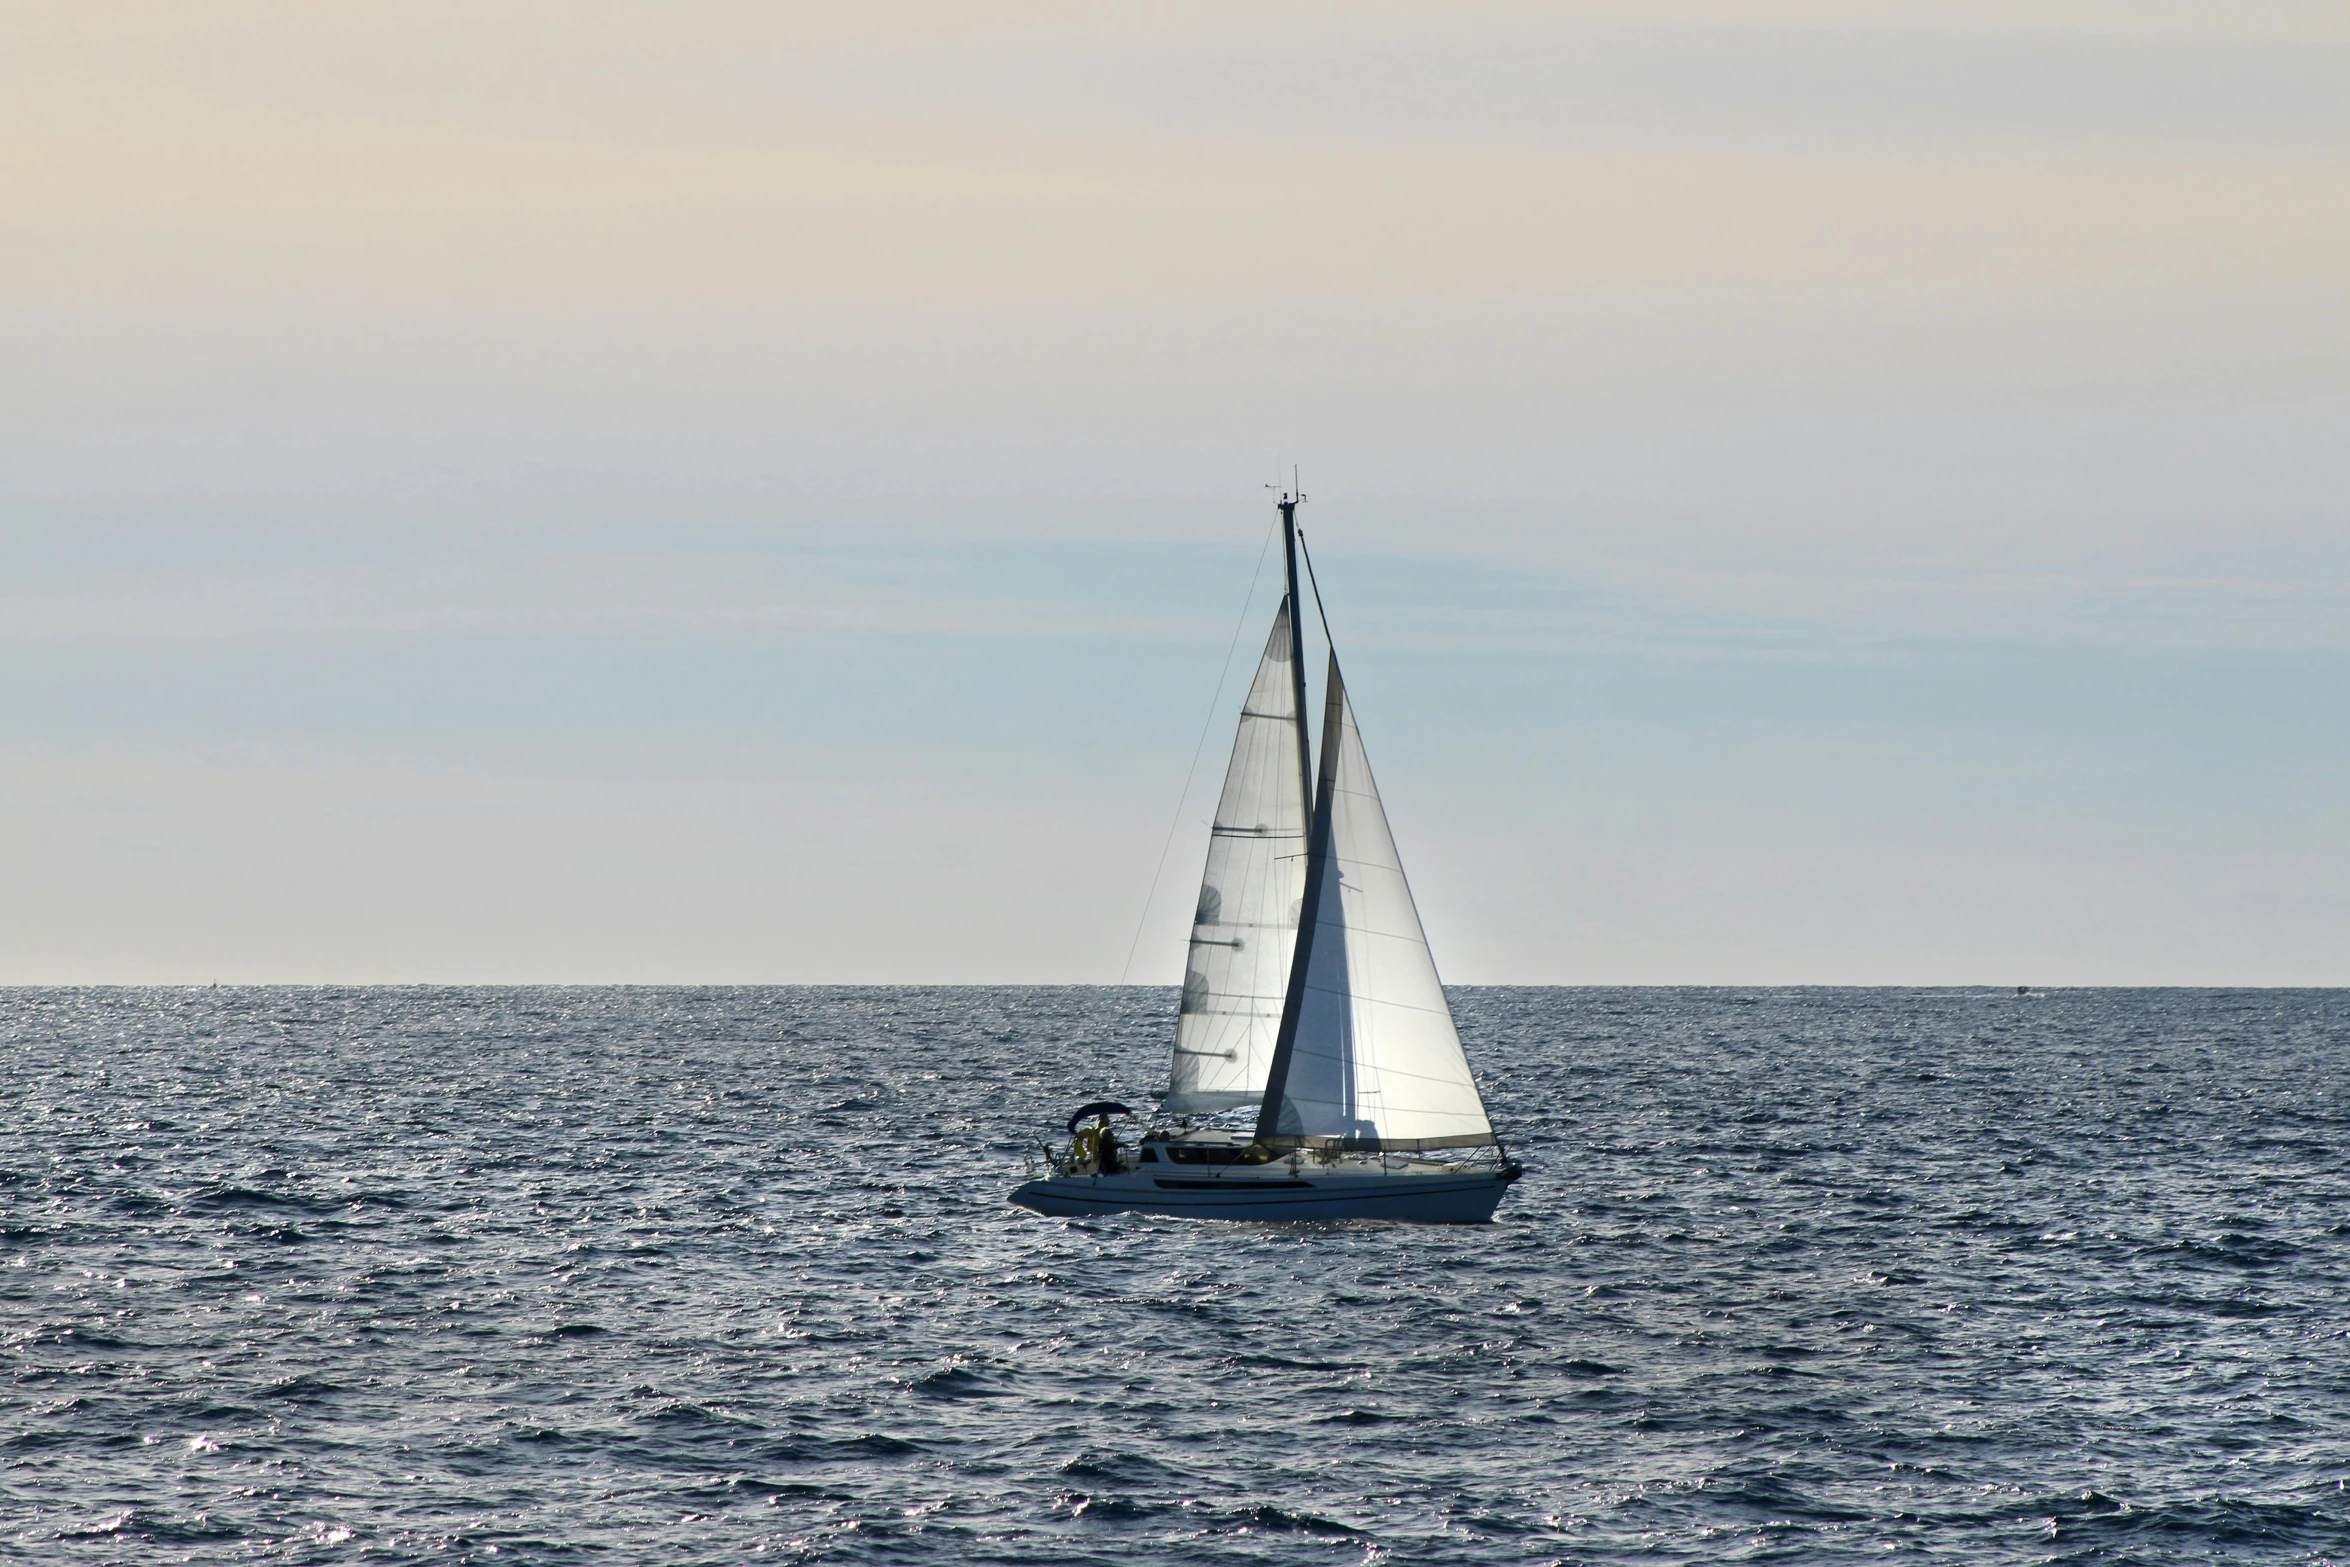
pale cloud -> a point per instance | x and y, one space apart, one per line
751 168
563 595
317 869
392 394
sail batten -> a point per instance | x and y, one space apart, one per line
1368 1055
1242 935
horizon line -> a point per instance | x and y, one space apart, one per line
2004 988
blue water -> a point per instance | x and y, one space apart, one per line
688 1276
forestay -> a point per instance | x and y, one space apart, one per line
1245 927
1369 1056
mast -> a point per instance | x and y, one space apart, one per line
1317 851
1317 868
1297 653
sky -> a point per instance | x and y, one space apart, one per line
740 493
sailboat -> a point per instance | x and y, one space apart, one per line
1317 1071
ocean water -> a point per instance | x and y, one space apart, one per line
688 1276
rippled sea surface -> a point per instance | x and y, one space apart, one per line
685 1276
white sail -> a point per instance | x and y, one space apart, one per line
1245 925
1371 1059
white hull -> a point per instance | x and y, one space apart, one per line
1465 1198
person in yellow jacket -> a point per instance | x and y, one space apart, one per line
1095 1145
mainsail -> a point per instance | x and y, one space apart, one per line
1241 937
1367 1055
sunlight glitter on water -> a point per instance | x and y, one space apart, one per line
694 1275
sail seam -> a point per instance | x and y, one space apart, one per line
1375 1001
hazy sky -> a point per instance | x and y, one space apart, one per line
739 492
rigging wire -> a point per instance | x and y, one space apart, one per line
1215 705
1319 612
